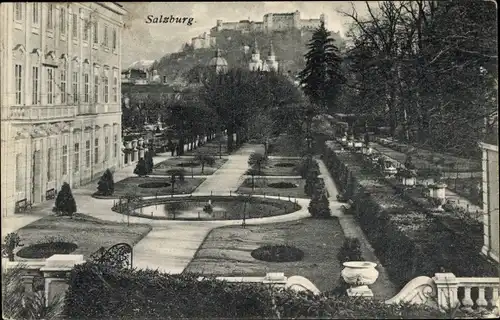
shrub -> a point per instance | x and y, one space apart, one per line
311 181
409 163
148 157
149 294
141 168
350 250
106 185
319 207
65 203
11 242
307 164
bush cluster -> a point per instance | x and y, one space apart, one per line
148 294
350 250
106 185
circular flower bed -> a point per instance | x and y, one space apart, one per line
154 185
278 253
282 185
286 165
188 164
46 250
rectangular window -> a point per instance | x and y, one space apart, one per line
62 21
106 148
115 87
63 86
106 43
115 147
34 93
75 87
95 32
50 16
19 11
19 83
86 30
114 39
106 88
65 160
96 89
50 160
76 162
87 153
36 11
96 150
50 85
74 26
87 88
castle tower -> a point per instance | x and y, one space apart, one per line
271 62
255 64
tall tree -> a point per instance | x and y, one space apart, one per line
322 77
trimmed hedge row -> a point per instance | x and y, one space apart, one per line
408 242
99 292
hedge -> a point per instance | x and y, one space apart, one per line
408 242
99 292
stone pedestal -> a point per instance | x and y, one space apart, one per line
361 291
56 272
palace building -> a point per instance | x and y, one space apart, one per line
60 97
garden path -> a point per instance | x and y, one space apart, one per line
383 288
460 201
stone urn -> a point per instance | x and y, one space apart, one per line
134 144
359 275
437 192
140 142
128 144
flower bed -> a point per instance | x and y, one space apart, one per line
389 221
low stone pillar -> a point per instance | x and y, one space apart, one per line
30 270
56 272
447 290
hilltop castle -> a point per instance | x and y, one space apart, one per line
272 22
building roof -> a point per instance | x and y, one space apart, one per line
141 65
218 60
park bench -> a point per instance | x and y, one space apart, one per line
22 205
50 194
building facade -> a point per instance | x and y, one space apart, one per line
272 22
204 41
491 246
141 72
268 64
60 97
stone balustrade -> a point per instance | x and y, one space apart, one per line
443 290
446 291
42 112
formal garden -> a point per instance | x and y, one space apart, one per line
236 207
201 164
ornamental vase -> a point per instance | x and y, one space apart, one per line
359 273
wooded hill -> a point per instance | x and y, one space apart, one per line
289 48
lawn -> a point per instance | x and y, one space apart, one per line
191 166
133 185
88 233
262 187
280 167
227 251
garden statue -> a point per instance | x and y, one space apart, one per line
208 208
11 242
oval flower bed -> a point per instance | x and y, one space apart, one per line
278 253
46 250
282 185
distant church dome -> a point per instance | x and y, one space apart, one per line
218 62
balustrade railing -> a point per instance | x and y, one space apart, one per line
481 293
42 112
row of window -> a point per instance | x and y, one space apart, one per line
67 96
51 169
63 14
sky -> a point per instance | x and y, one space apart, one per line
152 41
